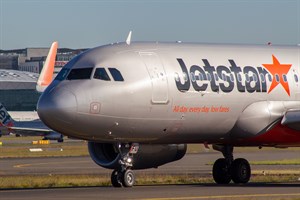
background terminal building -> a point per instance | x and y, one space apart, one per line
19 72
17 90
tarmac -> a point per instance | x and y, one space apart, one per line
197 164
161 192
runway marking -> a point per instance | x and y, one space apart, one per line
45 163
224 196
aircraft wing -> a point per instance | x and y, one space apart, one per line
260 117
46 133
291 119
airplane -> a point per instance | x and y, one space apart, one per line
28 123
138 104
25 124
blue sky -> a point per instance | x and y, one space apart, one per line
90 23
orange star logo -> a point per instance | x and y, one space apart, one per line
278 70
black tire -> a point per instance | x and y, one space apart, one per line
240 171
116 179
128 178
221 172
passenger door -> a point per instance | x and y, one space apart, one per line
158 77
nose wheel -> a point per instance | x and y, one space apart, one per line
115 178
122 178
123 175
128 178
227 169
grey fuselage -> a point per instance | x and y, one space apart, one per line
174 93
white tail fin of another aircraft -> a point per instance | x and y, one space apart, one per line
5 119
46 75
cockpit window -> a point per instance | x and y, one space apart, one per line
62 74
116 74
84 73
101 74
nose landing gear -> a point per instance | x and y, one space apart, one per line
123 175
227 169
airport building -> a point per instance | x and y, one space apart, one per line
19 72
9 62
31 66
34 59
17 90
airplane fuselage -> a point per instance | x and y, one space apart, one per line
177 93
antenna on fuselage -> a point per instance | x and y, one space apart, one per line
128 40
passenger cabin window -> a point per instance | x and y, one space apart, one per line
231 77
262 77
239 77
208 77
101 74
277 78
255 78
116 74
247 78
224 77
201 78
284 77
269 77
83 73
193 78
296 78
216 77
185 76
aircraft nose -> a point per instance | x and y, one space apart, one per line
57 109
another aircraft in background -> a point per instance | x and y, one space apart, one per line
28 123
139 104
25 124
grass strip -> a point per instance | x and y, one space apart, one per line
272 162
55 181
277 162
276 172
52 150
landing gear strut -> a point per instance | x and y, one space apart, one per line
227 169
123 175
